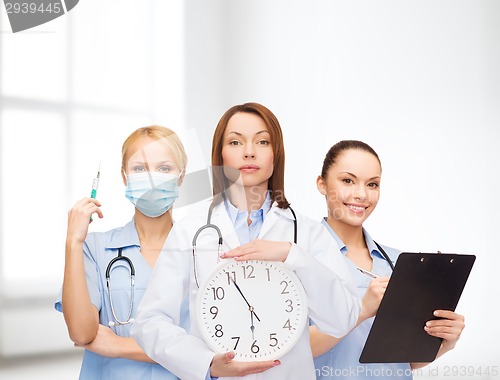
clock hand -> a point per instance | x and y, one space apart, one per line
252 327
250 307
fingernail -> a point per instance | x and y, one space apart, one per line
222 255
231 355
276 363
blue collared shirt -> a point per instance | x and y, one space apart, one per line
246 233
342 361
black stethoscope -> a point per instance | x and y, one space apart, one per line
219 234
386 256
132 285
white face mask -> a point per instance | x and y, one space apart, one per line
152 193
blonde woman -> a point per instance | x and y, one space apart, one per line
99 318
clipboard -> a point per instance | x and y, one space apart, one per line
420 284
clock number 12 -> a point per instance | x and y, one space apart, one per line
248 271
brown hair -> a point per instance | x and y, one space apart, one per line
277 181
342 146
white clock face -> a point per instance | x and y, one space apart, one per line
257 309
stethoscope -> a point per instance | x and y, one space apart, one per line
386 256
132 285
219 234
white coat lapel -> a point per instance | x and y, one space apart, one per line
273 217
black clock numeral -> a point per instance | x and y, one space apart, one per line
218 293
254 348
214 310
248 271
231 276
218 331
273 339
268 274
289 308
287 324
237 341
285 287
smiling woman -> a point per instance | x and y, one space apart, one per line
350 181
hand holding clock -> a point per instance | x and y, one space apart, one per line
260 250
223 365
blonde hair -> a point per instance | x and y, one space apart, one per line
159 133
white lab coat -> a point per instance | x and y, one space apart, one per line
331 295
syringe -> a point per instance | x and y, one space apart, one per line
95 185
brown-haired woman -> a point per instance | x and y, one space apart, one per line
253 214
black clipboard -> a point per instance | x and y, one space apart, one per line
420 284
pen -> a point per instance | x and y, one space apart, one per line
95 185
368 273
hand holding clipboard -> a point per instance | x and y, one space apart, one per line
420 284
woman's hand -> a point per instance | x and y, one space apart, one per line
223 365
372 298
448 328
321 342
79 218
260 250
